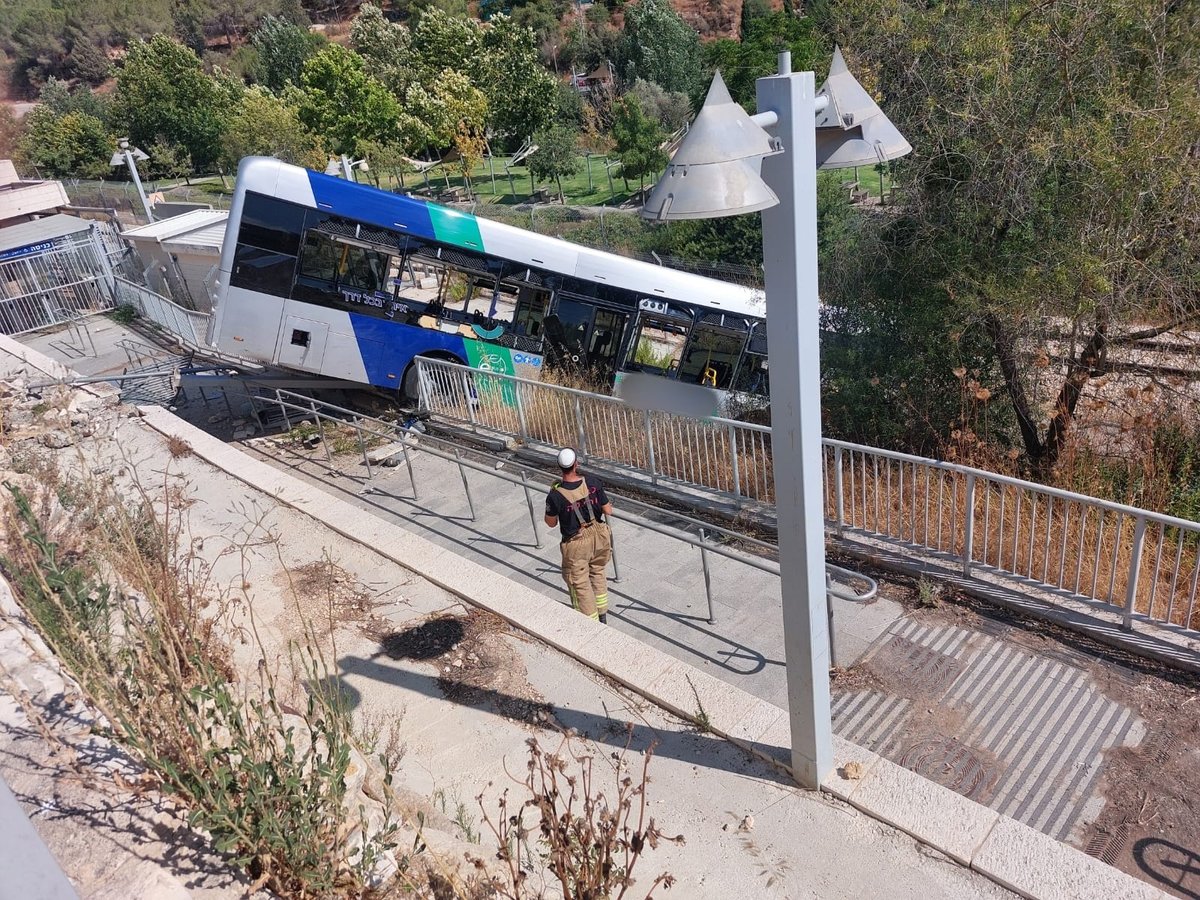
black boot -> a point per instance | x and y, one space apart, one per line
603 618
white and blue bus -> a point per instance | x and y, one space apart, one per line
325 276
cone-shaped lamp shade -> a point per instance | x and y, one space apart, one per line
715 171
852 130
722 131
709 191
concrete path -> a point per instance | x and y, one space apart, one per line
1015 730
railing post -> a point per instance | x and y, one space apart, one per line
362 445
1135 571
969 523
833 655
408 462
466 487
707 578
521 413
466 386
612 546
537 535
733 458
582 438
837 489
321 431
650 445
422 385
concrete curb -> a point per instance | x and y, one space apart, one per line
1014 855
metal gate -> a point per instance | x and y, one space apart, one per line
52 284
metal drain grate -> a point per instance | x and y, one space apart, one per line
1109 846
1159 747
909 666
951 764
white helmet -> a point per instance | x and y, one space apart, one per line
566 458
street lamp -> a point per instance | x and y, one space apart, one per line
130 156
730 164
345 167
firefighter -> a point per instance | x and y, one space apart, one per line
578 506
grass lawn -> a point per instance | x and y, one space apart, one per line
492 184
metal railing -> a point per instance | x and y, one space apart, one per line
1142 565
189 326
708 538
731 458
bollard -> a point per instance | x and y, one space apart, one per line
466 487
707 579
829 604
537 535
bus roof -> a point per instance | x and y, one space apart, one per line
431 221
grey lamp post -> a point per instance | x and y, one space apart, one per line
729 164
129 155
345 167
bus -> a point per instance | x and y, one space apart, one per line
325 276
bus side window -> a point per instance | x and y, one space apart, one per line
711 357
658 346
530 312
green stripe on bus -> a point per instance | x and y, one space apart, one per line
453 227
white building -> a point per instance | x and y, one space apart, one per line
179 255
22 201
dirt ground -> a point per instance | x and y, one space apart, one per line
1149 825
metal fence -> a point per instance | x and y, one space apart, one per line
189 326
370 434
732 458
72 275
1142 564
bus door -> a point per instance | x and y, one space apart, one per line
604 343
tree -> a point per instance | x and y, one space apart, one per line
520 91
638 139
11 131
265 125
557 154
459 113
283 48
163 92
1052 197
386 48
669 109
70 144
166 160
743 62
342 104
660 47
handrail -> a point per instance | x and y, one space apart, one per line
1142 564
309 406
1061 494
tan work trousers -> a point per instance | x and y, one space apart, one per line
584 559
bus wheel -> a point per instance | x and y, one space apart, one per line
410 387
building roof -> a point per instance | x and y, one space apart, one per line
26 234
207 237
177 226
